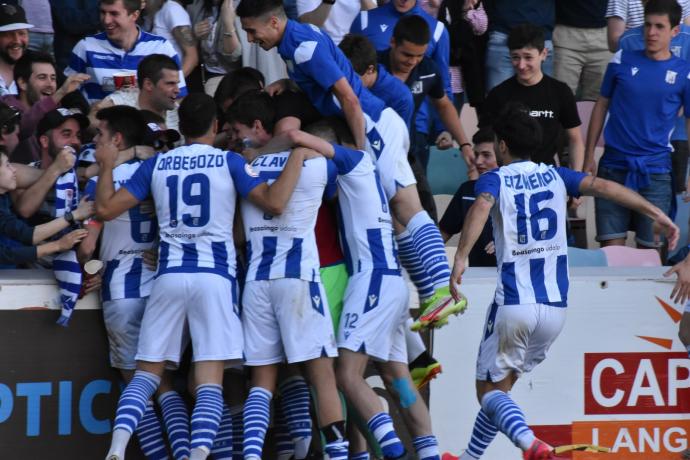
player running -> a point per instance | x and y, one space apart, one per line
527 204
194 189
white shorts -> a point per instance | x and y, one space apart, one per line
374 313
389 142
286 318
122 318
204 303
516 339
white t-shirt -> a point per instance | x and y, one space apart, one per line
130 97
171 15
339 20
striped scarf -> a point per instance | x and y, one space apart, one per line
65 265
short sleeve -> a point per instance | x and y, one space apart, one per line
306 6
331 180
572 180
139 185
569 117
244 177
608 84
453 219
346 159
90 189
314 60
175 16
618 9
489 182
77 59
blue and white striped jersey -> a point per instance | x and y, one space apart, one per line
284 246
529 230
100 58
195 189
368 241
123 241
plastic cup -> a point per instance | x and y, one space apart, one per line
124 80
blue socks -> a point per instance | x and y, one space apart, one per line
414 266
206 416
130 409
430 249
426 447
381 425
508 417
256 415
150 435
222 445
237 413
295 404
483 433
285 448
176 419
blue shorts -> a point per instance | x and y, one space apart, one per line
614 221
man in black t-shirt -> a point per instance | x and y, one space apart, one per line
550 101
482 255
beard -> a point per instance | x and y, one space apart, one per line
5 56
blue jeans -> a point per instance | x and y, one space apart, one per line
498 65
41 41
613 220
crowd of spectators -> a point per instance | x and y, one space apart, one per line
63 61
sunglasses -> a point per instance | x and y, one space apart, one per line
11 123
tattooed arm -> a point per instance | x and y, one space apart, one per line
190 55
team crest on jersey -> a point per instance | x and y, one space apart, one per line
671 77
384 27
376 142
634 71
676 50
248 169
417 87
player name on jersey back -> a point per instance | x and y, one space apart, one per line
284 246
195 188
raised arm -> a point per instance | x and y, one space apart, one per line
28 201
624 196
274 198
109 203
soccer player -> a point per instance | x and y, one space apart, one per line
285 311
127 282
194 189
375 309
322 71
527 204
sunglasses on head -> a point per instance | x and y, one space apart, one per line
11 123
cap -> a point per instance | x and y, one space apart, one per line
56 117
154 132
12 17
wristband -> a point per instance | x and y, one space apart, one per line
463 145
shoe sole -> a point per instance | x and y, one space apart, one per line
439 317
432 374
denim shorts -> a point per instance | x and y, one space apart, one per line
614 221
